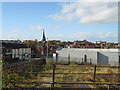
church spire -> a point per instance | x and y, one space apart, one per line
43 38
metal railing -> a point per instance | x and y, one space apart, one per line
94 73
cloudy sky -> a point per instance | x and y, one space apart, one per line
61 21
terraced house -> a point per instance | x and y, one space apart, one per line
15 51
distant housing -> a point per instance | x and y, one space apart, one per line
14 51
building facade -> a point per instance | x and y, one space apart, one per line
15 52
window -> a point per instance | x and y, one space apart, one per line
8 50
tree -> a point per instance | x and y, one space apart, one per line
30 42
52 42
110 45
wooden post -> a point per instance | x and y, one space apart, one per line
108 87
53 76
94 73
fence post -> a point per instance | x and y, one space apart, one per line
94 73
108 87
119 73
53 76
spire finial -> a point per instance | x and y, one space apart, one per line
44 38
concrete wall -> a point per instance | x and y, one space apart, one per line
97 56
109 57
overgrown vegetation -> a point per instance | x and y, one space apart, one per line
33 73
9 76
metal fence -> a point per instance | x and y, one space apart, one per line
67 76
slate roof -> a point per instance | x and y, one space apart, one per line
13 45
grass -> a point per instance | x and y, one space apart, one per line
63 77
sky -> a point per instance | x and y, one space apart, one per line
65 21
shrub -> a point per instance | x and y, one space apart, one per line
8 76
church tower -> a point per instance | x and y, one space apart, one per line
44 47
43 38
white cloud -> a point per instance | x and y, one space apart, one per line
88 12
37 27
92 36
14 31
56 27
59 0
21 37
98 0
